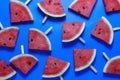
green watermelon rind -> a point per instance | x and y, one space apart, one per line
111 30
84 67
49 14
59 74
75 37
8 76
72 3
8 28
21 3
50 48
107 64
21 55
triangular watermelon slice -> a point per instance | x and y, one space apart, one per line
55 67
113 66
6 71
83 7
38 40
103 31
24 62
19 12
52 8
72 30
112 5
8 37
83 58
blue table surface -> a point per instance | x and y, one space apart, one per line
60 50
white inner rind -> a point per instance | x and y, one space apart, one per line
108 63
80 32
8 28
49 14
119 1
57 75
8 76
21 3
73 3
111 30
87 65
44 36
21 55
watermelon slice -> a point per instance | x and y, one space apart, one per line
38 40
112 5
52 8
113 66
103 31
24 62
83 58
6 71
8 37
55 67
72 30
19 12
83 7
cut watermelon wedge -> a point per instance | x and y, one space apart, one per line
19 12
52 8
6 71
72 30
8 36
83 7
112 5
38 40
83 58
103 31
55 67
24 62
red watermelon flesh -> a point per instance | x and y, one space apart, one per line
83 58
72 30
19 12
24 62
6 71
113 66
55 67
8 37
38 40
83 7
52 8
112 5
103 31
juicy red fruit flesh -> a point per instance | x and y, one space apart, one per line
54 66
83 7
19 13
111 5
53 7
24 63
8 37
5 69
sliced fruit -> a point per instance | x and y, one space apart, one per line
83 7
72 30
83 58
19 12
113 66
55 67
103 31
38 40
8 37
112 5
6 71
24 62
52 8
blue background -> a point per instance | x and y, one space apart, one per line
60 50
